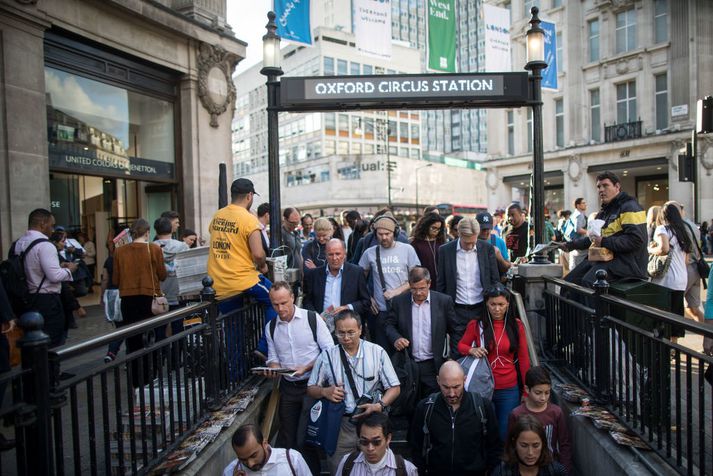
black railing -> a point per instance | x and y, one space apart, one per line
624 131
623 353
125 416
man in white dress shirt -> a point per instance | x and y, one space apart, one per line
256 457
293 342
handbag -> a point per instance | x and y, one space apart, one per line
407 371
159 303
658 265
325 421
478 374
702 266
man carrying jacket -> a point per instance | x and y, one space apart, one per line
462 435
623 233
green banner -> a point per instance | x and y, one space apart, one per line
442 36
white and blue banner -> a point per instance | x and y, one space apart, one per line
549 74
497 38
372 27
293 20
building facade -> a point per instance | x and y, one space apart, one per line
113 110
630 73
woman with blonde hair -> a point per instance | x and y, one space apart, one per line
314 251
652 220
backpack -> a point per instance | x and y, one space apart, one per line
14 279
349 464
311 318
431 402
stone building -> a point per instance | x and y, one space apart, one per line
112 110
630 73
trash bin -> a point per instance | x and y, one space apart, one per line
643 292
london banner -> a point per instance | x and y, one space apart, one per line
549 74
293 20
441 20
372 27
497 38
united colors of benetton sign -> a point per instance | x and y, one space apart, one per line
404 91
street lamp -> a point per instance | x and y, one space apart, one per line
418 207
271 68
536 63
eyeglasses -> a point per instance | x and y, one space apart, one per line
349 334
367 442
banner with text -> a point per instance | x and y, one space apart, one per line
293 20
441 19
372 27
549 74
497 38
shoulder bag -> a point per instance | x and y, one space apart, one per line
382 281
702 266
479 376
159 303
658 265
325 420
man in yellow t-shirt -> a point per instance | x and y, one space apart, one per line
236 257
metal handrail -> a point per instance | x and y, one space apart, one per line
520 304
69 351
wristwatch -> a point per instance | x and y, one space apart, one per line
383 407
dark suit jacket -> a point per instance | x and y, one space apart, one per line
448 272
354 290
399 322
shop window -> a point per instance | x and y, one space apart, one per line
102 129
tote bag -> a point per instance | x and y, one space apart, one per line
324 421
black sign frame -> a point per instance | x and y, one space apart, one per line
472 90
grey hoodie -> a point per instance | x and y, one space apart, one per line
169 286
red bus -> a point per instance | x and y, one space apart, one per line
446 209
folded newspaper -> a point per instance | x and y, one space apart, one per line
288 372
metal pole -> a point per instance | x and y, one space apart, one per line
210 334
273 160
388 167
601 337
538 167
696 185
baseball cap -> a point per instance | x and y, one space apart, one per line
485 220
242 185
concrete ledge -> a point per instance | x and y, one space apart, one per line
216 456
596 453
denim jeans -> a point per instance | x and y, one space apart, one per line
505 400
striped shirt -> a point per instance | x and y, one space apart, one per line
363 468
371 368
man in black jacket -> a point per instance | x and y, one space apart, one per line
466 268
418 323
624 234
462 431
338 285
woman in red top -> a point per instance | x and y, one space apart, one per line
505 346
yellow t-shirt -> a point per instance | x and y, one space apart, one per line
230 262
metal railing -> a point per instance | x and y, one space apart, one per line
623 353
124 417
623 131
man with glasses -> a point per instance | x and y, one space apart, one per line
255 456
374 456
363 373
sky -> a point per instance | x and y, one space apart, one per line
248 19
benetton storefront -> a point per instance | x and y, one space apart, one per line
111 134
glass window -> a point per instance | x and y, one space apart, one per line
341 67
559 122
595 115
343 125
559 52
329 123
392 130
328 66
329 147
343 147
415 134
511 132
107 130
403 132
593 31
556 3
626 30
529 129
660 21
368 69
626 102
354 68
661 101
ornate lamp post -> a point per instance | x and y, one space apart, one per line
535 64
272 69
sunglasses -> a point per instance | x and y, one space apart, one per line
367 442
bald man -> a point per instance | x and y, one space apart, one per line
336 286
462 430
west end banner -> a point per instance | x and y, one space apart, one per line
441 19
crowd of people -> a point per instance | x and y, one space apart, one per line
378 318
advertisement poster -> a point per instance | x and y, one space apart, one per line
497 38
441 20
293 20
372 27
549 74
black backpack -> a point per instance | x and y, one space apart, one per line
311 318
14 279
